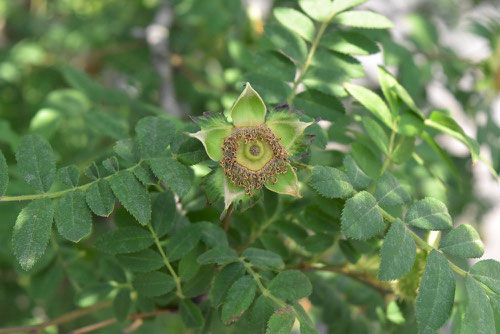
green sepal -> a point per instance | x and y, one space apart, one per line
287 127
287 183
214 127
249 109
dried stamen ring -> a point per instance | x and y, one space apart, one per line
253 156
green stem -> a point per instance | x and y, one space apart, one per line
58 193
310 55
387 160
167 263
263 227
422 243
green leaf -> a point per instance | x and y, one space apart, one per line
143 261
111 164
349 42
363 19
92 171
488 273
306 324
212 235
121 304
72 216
262 258
188 265
479 316
153 284
463 241
154 135
326 80
448 125
69 175
341 5
183 241
290 285
100 198
316 104
164 212
173 173
271 89
357 177
224 280
389 192
287 42
435 294
124 240
376 134
32 232
361 218
366 160
281 322
319 10
403 150
107 125
220 255
318 243
127 150
296 22
429 214
190 314
4 174
262 310
238 299
132 194
36 162
372 102
397 254
330 182
349 66
275 64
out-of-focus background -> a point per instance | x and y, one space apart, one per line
183 57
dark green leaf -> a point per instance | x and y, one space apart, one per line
212 235
4 174
127 150
121 304
183 241
366 160
143 261
224 280
154 135
36 162
153 284
296 22
488 273
316 104
389 192
403 150
238 299
132 194
429 214
263 258
358 178
262 310
92 171
398 252
220 255
479 316
111 164
124 240
281 322
188 264
69 175
361 218
273 90
173 173
290 285
190 314
318 243
330 182
349 66
435 294
106 124
100 198
72 216
463 241
32 232
376 134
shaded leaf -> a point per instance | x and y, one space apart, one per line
153 284
479 316
220 255
224 280
124 240
154 135
121 304
349 42
389 192
357 177
263 258
173 173
4 174
143 261
287 42
435 294
183 241
290 285
398 252
190 314
238 299
100 198
281 322
72 216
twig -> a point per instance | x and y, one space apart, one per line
157 36
105 323
57 321
227 218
